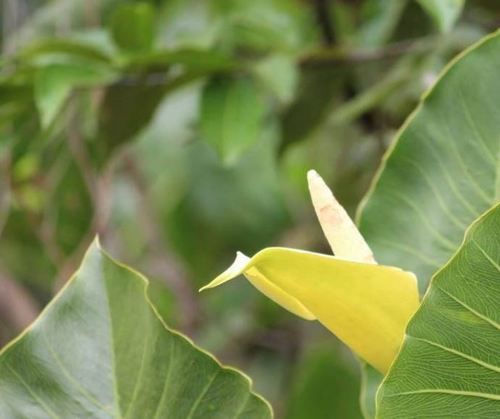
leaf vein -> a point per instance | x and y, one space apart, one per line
458 353
486 255
33 393
448 391
453 186
167 380
481 139
73 380
458 223
200 397
467 307
242 407
139 377
448 244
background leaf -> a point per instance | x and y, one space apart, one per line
317 87
325 385
132 27
444 12
54 83
100 349
231 116
449 365
120 119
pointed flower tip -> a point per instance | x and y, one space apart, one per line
340 231
203 288
321 195
312 175
238 266
311 172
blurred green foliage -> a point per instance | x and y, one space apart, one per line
181 131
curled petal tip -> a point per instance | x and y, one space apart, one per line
237 268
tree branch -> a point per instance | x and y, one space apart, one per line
329 56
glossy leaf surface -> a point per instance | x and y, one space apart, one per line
441 173
449 365
101 350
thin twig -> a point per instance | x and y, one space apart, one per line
329 56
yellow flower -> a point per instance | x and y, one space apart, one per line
365 305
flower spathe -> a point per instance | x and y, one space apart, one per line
365 305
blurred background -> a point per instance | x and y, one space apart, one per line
181 131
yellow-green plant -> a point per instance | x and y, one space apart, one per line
366 305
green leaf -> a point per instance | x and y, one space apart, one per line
74 49
132 27
449 365
317 92
231 116
443 169
259 27
101 350
444 12
69 207
279 74
325 385
214 197
54 83
126 108
379 20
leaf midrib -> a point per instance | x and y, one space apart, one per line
488 396
458 353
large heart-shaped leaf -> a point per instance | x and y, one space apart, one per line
101 350
449 365
443 170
